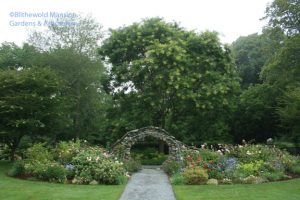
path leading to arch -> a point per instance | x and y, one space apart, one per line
148 184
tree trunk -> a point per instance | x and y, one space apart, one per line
13 147
12 153
77 114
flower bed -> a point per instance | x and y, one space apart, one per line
70 162
236 164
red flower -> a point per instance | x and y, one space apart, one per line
189 158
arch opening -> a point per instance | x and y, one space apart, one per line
150 151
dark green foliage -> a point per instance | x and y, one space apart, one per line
256 116
274 176
149 156
13 56
55 173
17 169
71 52
296 169
249 58
30 104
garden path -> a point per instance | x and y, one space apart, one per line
151 183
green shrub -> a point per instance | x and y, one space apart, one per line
215 174
122 180
208 155
47 171
4 152
195 176
36 168
54 173
252 168
132 165
108 172
288 161
17 169
84 176
177 179
66 150
273 176
38 152
95 164
171 167
296 169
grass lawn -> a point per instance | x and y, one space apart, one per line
283 190
15 189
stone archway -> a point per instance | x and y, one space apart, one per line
134 136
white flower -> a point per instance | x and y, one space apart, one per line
105 155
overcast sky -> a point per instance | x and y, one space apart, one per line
231 18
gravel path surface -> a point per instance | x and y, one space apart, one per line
148 184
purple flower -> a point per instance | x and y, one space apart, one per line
69 166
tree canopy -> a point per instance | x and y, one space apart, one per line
162 70
30 104
284 14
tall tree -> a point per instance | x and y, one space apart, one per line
284 14
256 116
249 58
289 112
71 51
283 73
13 56
252 52
30 104
161 71
83 38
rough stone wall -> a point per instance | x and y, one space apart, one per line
132 137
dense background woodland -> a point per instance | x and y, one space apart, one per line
77 82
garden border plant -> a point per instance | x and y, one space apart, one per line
70 162
247 164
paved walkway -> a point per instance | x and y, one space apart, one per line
148 184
